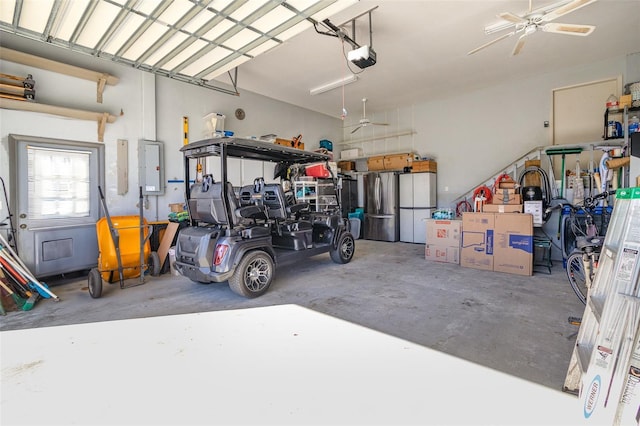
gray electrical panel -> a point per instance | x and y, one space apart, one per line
151 167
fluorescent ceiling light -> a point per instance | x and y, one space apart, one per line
333 85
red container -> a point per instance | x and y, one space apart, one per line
318 170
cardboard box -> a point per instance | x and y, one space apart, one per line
176 207
424 166
502 208
398 161
536 210
506 197
375 163
346 166
347 154
442 232
477 240
513 243
625 100
507 184
440 253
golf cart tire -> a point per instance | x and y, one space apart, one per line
345 249
154 264
253 275
95 283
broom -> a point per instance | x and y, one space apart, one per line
25 305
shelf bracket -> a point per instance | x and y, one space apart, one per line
102 122
102 81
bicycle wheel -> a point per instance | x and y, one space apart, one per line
576 275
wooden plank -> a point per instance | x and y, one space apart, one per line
59 67
56 110
167 239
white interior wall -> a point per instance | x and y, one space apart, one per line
473 135
263 116
152 108
62 90
477 132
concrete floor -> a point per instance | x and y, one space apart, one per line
510 323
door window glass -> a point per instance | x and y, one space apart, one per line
58 182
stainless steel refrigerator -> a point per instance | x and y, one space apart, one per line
381 221
417 202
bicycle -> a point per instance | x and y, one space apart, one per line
582 263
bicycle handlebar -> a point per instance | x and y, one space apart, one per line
589 203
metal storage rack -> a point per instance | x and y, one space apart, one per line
319 193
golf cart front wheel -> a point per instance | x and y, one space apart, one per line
95 283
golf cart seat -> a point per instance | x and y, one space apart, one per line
273 200
291 234
206 203
276 203
251 205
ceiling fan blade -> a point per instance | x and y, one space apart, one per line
519 45
511 17
570 29
355 130
567 8
502 37
379 124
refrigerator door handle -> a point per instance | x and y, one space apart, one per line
377 192
380 216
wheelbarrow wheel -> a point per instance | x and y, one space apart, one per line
154 264
95 283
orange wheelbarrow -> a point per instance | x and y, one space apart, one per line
124 250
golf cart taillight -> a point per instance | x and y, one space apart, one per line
221 250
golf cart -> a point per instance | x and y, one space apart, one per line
242 234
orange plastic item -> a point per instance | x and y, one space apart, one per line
128 228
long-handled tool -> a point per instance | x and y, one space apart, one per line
41 288
562 152
142 239
25 305
114 236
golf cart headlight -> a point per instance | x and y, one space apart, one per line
221 251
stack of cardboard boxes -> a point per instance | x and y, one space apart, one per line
500 238
505 199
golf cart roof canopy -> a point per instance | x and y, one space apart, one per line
250 149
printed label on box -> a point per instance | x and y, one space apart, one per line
521 242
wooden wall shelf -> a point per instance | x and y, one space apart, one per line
100 78
102 118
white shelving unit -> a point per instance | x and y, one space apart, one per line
320 195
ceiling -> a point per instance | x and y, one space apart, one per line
421 45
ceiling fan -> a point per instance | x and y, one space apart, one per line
539 19
364 121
